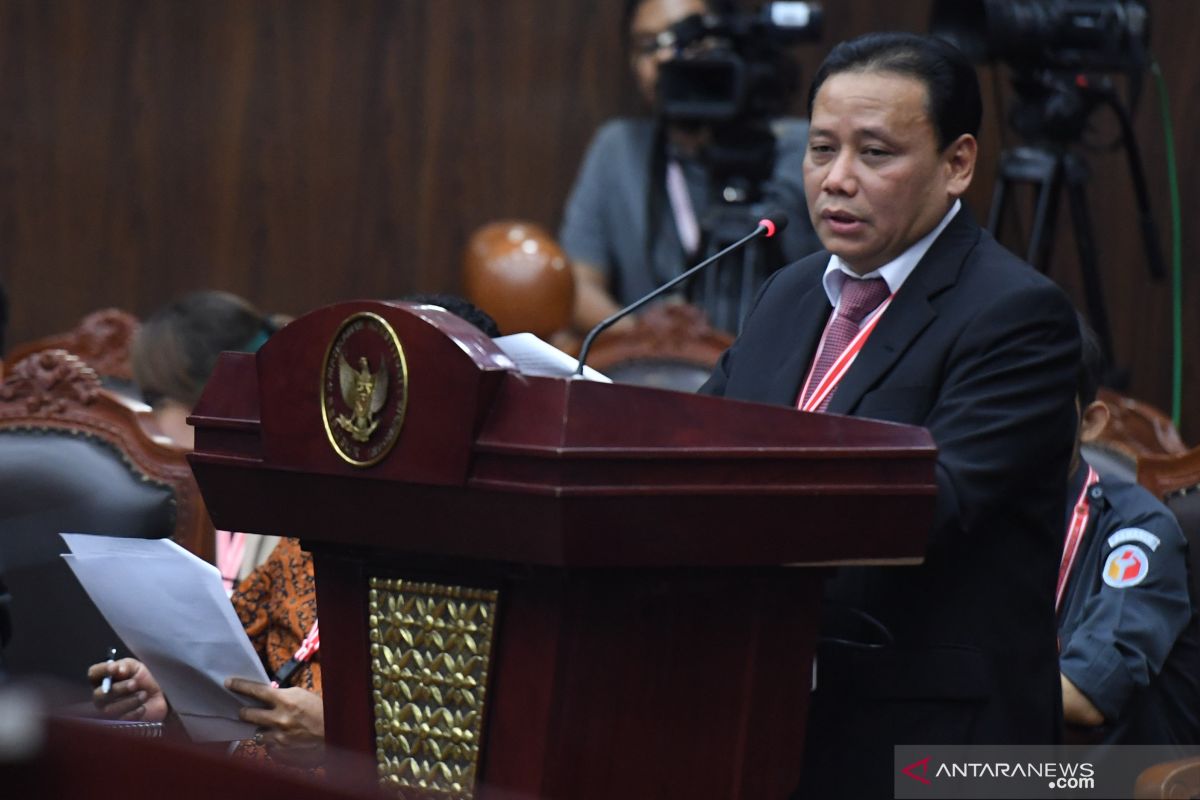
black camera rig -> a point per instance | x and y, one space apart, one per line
1062 55
731 75
734 66
1087 35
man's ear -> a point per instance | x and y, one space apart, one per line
959 159
1093 421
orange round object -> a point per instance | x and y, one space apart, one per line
516 272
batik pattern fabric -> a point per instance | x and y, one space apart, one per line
277 605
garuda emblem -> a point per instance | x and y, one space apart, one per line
365 392
364 389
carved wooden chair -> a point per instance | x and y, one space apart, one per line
1135 430
516 271
671 347
75 457
1174 779
1176 480
103 340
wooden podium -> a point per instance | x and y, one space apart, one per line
544 588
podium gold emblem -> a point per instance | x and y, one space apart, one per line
364 389
365 392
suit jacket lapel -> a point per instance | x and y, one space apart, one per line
909 314
798 336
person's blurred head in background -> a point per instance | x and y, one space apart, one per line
176 349
459 307
643 22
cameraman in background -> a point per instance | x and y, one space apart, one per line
654 196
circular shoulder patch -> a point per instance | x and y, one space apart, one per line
1128 565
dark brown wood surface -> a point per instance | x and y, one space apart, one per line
652 684
659 556
553 468
75 758
303 152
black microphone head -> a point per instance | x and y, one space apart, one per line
774 221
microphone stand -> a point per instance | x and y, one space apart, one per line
762 228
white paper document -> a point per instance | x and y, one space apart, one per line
536 357
171 610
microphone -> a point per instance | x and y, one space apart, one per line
772 223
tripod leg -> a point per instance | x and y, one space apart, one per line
1041 237
999 201
710 293
751 277
1085 243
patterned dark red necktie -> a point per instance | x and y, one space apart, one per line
859 298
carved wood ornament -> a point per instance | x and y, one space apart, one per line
54 390
103 339
666 332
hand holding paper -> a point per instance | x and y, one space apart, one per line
170 609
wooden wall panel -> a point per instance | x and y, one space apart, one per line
300 152
294 152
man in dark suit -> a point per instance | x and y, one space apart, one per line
933 324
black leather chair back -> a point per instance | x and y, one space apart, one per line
54 482
76 458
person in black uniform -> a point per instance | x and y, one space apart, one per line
1128 628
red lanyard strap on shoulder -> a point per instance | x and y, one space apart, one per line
1079 523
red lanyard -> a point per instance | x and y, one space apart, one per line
838 369
1079 521
310 645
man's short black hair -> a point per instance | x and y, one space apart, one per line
1091 363
955 105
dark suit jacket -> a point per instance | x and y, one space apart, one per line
983 351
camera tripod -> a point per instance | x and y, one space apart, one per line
1052 111
1049 170
725 293
741 158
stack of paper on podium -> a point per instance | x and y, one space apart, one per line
171 610
536 357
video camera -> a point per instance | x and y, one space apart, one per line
1055 48
731 76
1064 56
734 66
1095 35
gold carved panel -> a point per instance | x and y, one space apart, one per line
430 654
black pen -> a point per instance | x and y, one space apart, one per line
106 684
